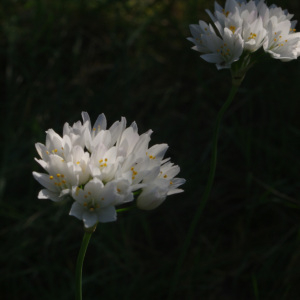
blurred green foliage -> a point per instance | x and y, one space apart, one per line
131 58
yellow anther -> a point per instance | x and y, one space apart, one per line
58 175
89 193
85 196
78 163
62 175
133 177
134 173
62 160
132 169
252 36
118 190
105 159
85 204
225 13
51 177
165 176
94 129
62 148
100 161
232 28
63 181
275 40
92 208
55 150
171 182
286 41
47 152
105 165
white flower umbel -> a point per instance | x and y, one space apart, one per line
242 28
101 168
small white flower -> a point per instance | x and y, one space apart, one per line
95 202
282 42
222 50
158 188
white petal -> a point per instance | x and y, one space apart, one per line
89 219
45 181
107 214
77 210
46 194
100 123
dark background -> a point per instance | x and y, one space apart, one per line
131 58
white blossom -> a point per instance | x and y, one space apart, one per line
100 168
243 27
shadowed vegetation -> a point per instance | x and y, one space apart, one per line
131 58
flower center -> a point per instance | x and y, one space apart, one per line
59 180
252 36
103 163
232 28
225 13
133 173
224 51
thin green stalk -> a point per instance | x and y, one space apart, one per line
79 264
208 187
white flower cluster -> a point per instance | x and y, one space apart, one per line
246 26
101 168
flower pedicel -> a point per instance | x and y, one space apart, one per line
101 168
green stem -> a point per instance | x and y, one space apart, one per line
208 187
79 264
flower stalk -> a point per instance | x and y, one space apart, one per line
79 264
207 190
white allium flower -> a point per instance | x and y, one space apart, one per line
95 202
160 186
101 168
243 27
